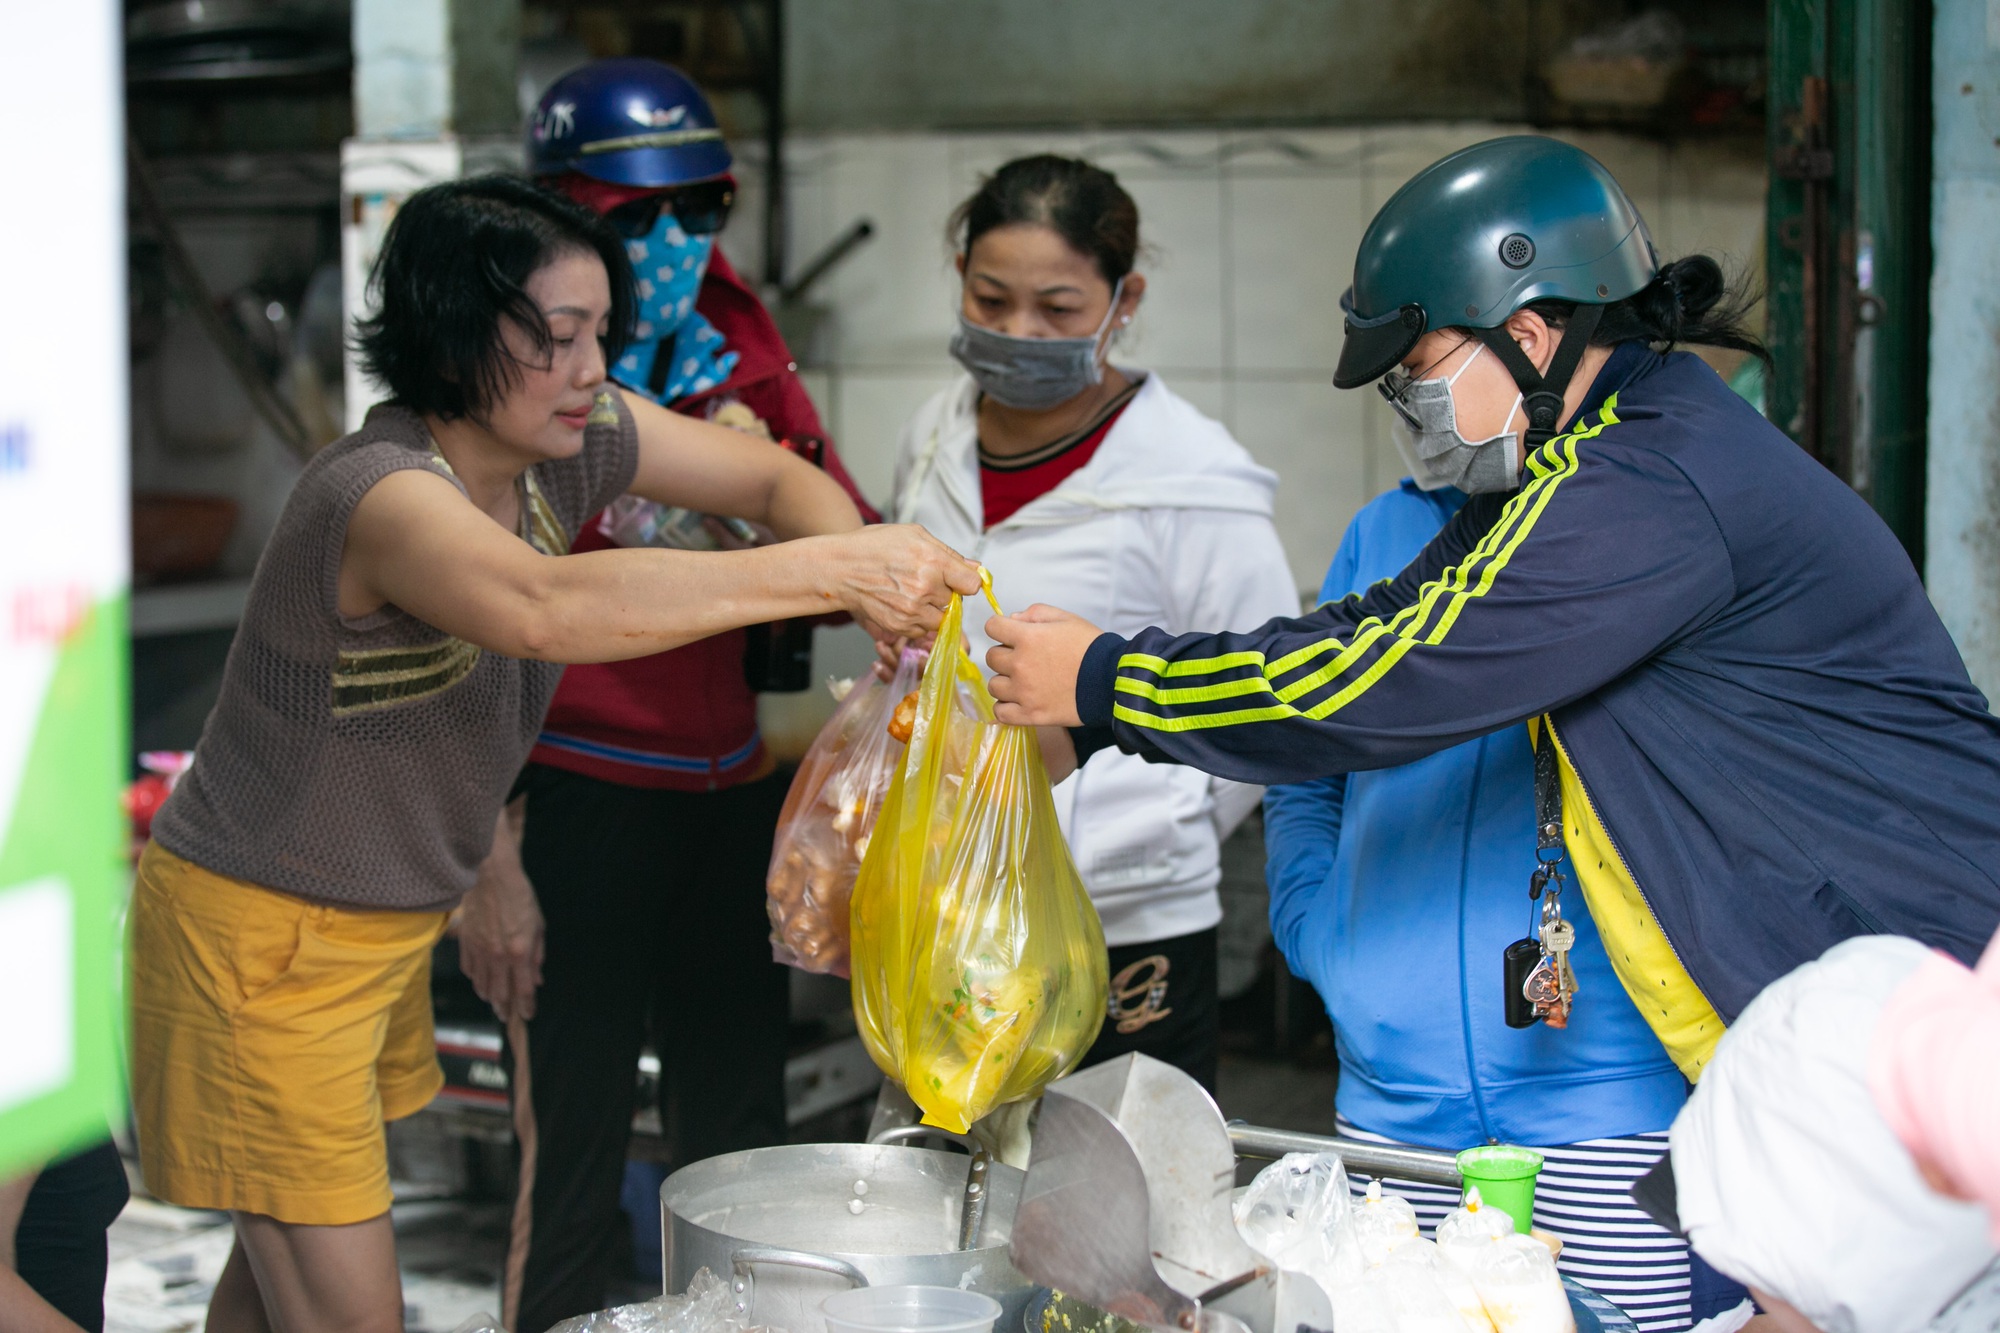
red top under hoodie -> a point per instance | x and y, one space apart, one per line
687 719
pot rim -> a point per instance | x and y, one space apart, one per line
999 1178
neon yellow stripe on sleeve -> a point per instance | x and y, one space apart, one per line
1365 634
1452 590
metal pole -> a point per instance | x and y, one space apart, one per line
1887 270
1374 1159
774 143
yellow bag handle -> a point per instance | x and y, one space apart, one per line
968 670
986 586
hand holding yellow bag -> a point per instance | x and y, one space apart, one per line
978 960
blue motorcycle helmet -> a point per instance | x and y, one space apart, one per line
1481 233
637 124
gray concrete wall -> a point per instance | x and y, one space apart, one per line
1962 514
958 64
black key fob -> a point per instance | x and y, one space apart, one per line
1517 962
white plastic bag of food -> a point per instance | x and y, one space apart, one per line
707 1306
1515 1275
1430 1295
1362 1302
1474 1219
1382 1222
1296 1214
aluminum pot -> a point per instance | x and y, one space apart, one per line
781 1227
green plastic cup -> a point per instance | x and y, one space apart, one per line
1505 1176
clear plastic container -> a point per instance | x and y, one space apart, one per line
910 1310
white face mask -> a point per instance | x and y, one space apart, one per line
1437 454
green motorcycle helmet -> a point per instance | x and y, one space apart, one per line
1477 235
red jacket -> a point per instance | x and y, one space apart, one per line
687 719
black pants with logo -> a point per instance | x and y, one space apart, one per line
654 903
1164 1004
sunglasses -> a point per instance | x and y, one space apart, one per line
1394 388
701 209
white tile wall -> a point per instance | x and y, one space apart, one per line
1714 201
1180 326
894 299
1315 438
1291 254
1251 237
870 407
1207 390
1397 152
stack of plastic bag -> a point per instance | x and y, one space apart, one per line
978 960
707 1306
1429 1295
1378 1274
1515 1275
829 815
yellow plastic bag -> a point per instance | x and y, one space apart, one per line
978 960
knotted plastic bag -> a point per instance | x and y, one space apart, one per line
1382 1222
1515 1275
828 818
1297 1213
979 964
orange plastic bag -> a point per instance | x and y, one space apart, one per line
828 816
979 964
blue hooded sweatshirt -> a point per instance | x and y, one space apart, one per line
1767 741
1394 891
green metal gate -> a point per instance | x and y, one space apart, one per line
1848 243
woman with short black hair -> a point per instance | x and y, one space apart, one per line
404 632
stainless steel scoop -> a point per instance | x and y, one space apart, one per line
1126 1205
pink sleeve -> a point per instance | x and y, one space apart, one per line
1934 1072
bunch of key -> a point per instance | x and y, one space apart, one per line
1540 983
1551 985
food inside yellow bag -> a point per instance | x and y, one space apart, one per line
978 960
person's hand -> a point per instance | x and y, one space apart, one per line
889 654
500 932
1058 749
1037 655
897 579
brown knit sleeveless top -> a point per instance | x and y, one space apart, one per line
363 761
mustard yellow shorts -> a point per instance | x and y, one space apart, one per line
271 1039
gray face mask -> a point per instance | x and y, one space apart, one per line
1437 454
1033 374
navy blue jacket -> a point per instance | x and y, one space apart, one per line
1764 714
1394 891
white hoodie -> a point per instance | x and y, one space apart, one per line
1169 524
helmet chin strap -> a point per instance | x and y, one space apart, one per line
1542 395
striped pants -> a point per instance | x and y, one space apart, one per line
1583 1197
